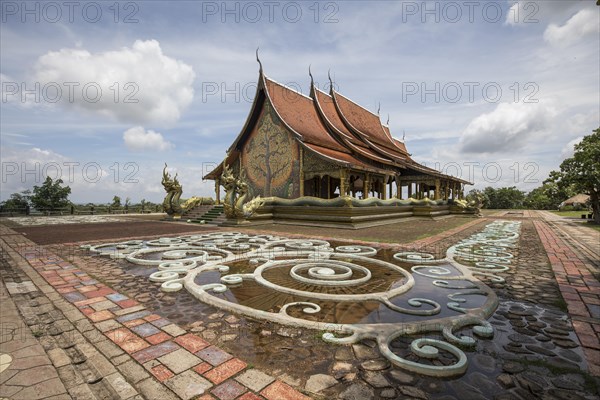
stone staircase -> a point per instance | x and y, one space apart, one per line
197 212
212 214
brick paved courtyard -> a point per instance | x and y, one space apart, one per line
101 331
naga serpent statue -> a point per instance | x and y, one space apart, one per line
174 190
473 206
236 204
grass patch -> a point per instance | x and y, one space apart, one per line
37 333
571 214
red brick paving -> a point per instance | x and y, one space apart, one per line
127 303
225 370
65 276
206 397
127 340
158 338
152 317
161 372
202 368
250 396
99 316
281 391
580 290
576 283
134 322
229 390
192 342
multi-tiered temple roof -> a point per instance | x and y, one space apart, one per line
335 130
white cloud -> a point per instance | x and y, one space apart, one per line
581 24
94 180
529 12
516 14
138 139
569 148
138 84
507 128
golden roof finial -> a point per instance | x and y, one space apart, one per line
258 59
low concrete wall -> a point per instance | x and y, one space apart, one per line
349 217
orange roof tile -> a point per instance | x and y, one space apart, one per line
334 127
298 112
365 122
327 106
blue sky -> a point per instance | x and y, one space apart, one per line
496 91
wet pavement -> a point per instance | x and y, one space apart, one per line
542 347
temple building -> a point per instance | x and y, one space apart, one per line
324 145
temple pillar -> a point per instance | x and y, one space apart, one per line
328 186
343 187
398 189
218 191
437 189
317 184
410 192
301 156
384 192
446 190
366 186
453 190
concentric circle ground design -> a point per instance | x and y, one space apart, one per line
317 277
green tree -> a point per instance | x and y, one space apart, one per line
50 195
17 201
582 171
116 202
548 196
537 199
504 198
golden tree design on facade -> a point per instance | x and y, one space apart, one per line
268 155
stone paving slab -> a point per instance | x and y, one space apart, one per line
579 288
193 381
29 374
588 239
174 357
